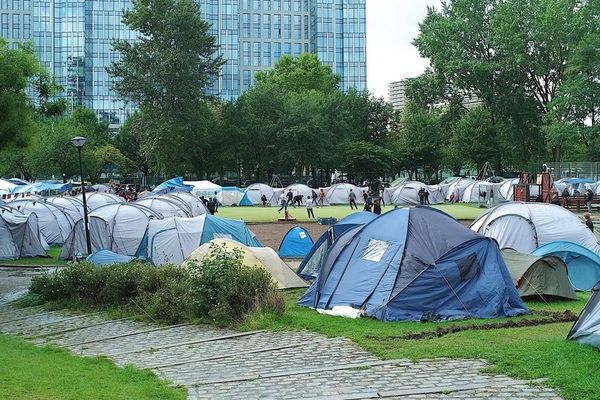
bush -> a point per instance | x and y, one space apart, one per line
227 290
76 282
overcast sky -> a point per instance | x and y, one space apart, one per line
391 27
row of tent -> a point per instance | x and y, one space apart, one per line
421 264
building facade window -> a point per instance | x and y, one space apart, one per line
16 26
266 54
266 26
256 54
5 26
256 25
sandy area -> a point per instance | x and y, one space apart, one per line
271 234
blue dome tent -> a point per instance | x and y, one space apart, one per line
582 263
415 264
296 243
104 258
311 264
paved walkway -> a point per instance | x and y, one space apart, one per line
221 364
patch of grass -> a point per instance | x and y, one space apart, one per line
30 372
51 261
526 353
270 214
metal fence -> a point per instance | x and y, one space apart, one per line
561 170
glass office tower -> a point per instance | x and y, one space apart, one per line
73 40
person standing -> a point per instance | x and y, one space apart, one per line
282 202
381 193
377 207
565 198
216 203
421 194
321 198
588 221
589 199
426 197
352 200
290 197
309 208
365 195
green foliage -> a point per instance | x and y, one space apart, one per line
475 138
366 161
229 291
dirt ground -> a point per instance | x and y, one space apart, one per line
271 235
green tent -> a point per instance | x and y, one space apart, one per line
538 276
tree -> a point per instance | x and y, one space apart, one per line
129 141
475 139
294 75
166 72
366 161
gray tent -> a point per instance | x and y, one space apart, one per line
19 235
587 328
538 276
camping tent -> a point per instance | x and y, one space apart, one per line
575 185
296 243
415 264
55 225
42 187
457 188
192 204
254 192
71 206
19 235
206 189
103 258
172 240
526 226
118 227
96 200
231 196
312 262
408 194
587 328
583 264
6 186
164 206
172 185
338 193
264 257
506 190
482 192
299 189
538 275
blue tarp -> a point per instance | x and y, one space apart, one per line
415 264
311 264
296 243
173 185
42 187
578 181
582 263
225 228
106 257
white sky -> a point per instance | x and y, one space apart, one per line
391 27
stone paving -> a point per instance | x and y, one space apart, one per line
221 364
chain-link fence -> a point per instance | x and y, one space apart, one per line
561 170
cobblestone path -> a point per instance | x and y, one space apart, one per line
220 364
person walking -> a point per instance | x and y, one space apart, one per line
282 202
290 197
321 198
589 199
588 221
216 203
352 200
309 207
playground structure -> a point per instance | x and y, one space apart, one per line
534 187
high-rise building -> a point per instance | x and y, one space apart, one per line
397 94
73 40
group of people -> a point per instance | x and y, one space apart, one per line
371 203
565 195
211 204
423 196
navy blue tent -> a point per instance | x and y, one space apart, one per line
415 264
310 266
296 243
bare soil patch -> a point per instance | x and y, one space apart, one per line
271 235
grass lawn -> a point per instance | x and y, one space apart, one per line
270 214
50 261
527 353
30 372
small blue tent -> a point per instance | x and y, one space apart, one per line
297 243
582 263
311 264
226 228
415 264
174 184
103 258
245 201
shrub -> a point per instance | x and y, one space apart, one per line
76 282
226 290
122 282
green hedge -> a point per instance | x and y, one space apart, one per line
220 289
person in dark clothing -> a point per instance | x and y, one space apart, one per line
426 197
290 197
204 201
216 203
377 207
211 206
365 195
421 194
589 199
588 221
263 198
352 200
298 200
565 198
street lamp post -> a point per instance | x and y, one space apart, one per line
78 142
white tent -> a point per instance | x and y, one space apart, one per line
482 192
103 188
507 187
408 194
55 225
263 257
302 190
338 193
193 205
120 228
6 187
206 189
254 192
231 196
96 200
71 206
164 206
172 240
526 226
457 188
19 235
